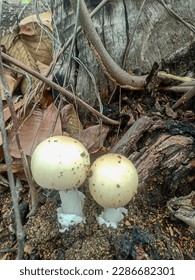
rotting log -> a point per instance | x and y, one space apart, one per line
163 151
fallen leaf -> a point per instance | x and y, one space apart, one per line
93 137
38 42
12 84
70 120
45 18
34 129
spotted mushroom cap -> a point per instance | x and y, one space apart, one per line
113 180
60 162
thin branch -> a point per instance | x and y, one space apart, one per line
58 88
185 98
19 229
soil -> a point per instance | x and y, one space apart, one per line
145 233
148 230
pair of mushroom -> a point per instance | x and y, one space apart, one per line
63 163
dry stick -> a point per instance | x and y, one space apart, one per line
8 160
185 98
20 234
33 192
58 88
114 72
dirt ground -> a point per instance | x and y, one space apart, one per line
145 233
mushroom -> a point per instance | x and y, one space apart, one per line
62 163
113 181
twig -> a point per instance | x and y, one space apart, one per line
19 229
185 98
58 88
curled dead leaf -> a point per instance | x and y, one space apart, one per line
45 19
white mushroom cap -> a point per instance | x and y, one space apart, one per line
113 180
60 162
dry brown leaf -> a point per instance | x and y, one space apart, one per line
34 130
45 18
6 111
42 67
70 120
7 115
12 84
93 137
7 41
37 41
98 153
16 167
20 52
35 36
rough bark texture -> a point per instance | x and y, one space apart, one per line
163 153
158 37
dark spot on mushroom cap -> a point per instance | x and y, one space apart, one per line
118 186
119 157
55 140
83 154
119 161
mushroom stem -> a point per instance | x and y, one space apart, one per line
111 216
71 211
72 202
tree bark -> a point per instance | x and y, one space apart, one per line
157 36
